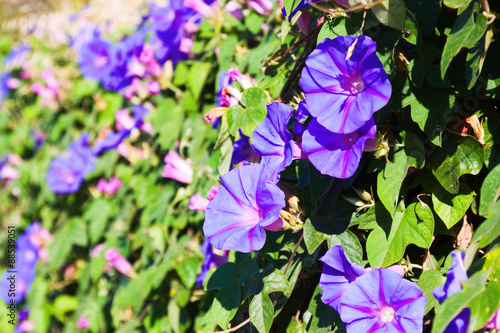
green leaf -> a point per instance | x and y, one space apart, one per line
426 12
318 229
485 305
247 118
275 280
168 120
492 262
322 315
427 282
73 232
489 230
391 13
225 305
431 108
226 276
490 191
456 159
390 179
188 271
454 304
97 215
197 77
226 144
261 312
451 208
334 28
386 245
475 58
290 5
456 3
64 304
465 33
412 33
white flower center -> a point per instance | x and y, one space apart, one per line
386 314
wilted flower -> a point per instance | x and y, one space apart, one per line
272 140
121 264
246 204
354 87
335 154
197 202
109 187
213 192
244 80
176 168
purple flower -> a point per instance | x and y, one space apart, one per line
337 274
272 140
109 187
382 301
223 82
67 172
16 57
211 260
454 275
246 204
39 137
335 154
301 115
243 151
452 286
494 322
28 246
261 7
176 168
4 88
97 58
344 89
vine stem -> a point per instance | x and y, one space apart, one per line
232 329
336 12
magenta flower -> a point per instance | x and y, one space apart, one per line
121 264
234 8
382 301
273 141
213 191
354 87
335 154
197 203
97 249
109 187
82 323
244 80
177 169
337 274
247 203
494 322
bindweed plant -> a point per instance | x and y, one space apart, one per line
253 166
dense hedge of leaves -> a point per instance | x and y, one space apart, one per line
429 186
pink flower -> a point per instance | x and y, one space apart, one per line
213 191
123 120
261 7
147 127
97 249
494 322
244 80
26 326
177 168
82 323
201 7
109 187
153 87
197 203
119 262
13 83
234 8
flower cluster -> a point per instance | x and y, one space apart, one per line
375 300
30 246
342 101
165 34
67 172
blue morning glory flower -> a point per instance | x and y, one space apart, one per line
246 204
344 83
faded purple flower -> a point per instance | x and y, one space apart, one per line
109 187
246 204
119 262
197 203
211 260
176 168
234 8
337 274
344 89
382 301
335 154
16 57
272 140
